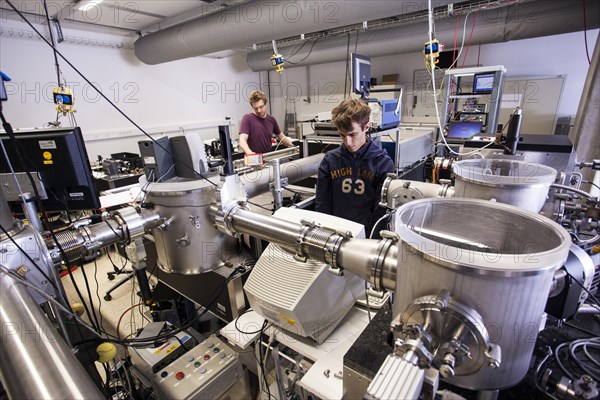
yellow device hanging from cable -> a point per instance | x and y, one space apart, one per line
277 59
432 52
63 98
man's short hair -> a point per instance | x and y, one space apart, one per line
349 111
257 96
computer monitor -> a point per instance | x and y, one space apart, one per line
361 74
189 156
464 129
58 161
483 83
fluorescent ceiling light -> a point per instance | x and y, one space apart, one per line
85 5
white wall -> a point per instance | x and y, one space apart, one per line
539 57
195 94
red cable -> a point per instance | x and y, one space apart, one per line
455 33
470 36
587 52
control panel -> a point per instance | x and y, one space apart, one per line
207 371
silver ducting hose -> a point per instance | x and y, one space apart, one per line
124 225
36 363
373 260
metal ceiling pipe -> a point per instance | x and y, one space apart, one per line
521 21
262 21
36 363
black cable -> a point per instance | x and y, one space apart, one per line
185 325
584 288
309 52
261 361
98 294
594 334
258 205
104 96
52 40
235 324
297 51
89 293
592 183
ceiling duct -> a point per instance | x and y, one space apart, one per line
518 21
253 22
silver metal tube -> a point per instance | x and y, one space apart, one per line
257 182
372 260
31 212
277 190
587 309
570 189
36 363
266 227
397 192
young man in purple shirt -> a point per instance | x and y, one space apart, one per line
258 127
351 176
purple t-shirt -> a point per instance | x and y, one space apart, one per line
259 131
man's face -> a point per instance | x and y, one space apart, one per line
356 138
260 109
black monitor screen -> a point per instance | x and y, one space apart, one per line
464 129
483 83
361 74
59 159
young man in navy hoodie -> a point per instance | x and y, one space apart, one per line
351 176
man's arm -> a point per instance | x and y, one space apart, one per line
324 189
243 143
285 140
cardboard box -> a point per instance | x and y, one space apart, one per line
390 79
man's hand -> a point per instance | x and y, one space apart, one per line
253 159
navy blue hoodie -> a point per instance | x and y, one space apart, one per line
349 185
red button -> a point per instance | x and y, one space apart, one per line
179 376
206 356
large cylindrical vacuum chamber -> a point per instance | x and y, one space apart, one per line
189 244
495 258
519 183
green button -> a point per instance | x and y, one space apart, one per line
216 350
197 364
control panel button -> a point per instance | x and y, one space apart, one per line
179 376
190 358
211 345
164 374
207 356
202 370
222 355
197 364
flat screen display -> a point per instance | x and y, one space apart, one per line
59 160
483 83
464 129
361 74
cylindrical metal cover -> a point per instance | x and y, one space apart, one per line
519 183
189 244
495 258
